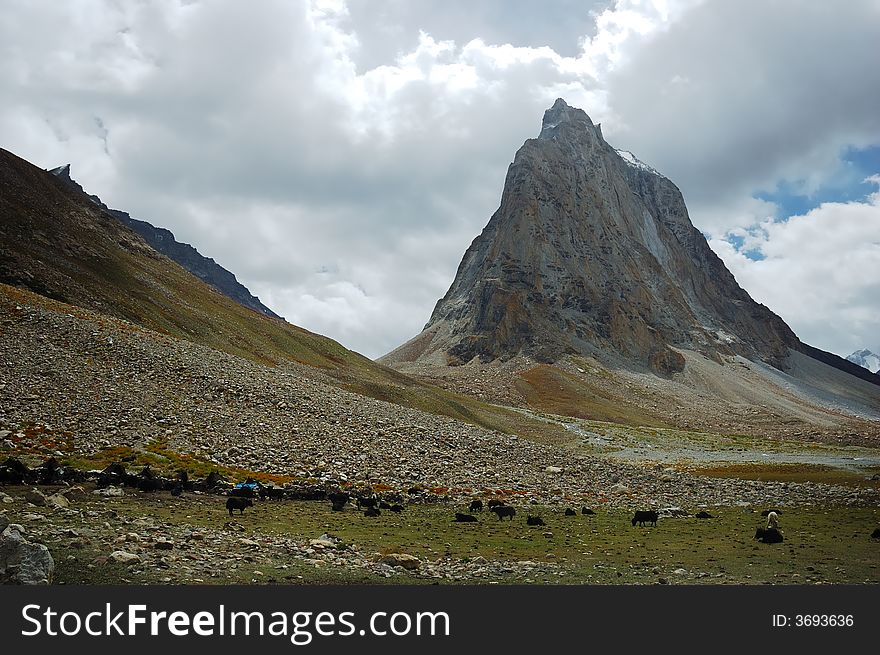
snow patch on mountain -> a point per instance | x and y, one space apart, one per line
635 162
866 359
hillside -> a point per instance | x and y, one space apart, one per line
56 242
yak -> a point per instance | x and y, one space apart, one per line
504 510
236 502
645 516
768 535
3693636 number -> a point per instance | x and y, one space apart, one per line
823 620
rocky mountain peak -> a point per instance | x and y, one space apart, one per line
62 172
592 252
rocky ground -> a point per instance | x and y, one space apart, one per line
134 537
734 397
78 385
94 383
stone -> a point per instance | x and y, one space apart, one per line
552 469
73 494
57 500
322 543
124 557
35 497
23 562
408 562
109 492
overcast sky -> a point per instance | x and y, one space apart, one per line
339 157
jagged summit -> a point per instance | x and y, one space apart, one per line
592 252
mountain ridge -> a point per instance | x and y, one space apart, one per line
164 241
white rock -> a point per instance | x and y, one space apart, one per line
123 557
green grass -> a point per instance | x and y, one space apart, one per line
829 545
794 473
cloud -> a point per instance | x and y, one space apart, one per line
339 157
734 98
818 271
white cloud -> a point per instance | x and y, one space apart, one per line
339 159
819 272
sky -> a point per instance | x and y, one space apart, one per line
339 156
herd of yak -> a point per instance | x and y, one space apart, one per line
239 497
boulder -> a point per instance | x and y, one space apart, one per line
73 494
35 497
672 512
23 562
322 543
57 500
109 491
552 469
123 557
408 562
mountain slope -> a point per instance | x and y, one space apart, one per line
56 242
163 241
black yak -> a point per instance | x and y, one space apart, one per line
587 511
235 502
494 503
704 515
272 493
464 518
504 510
372 511
645 516
397 509
876 533
338 500
476 506
534 520
366 501
768 535
570 512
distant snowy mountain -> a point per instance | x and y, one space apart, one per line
866 359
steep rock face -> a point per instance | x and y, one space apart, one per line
163 241
591 251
